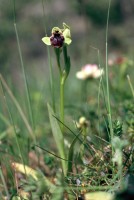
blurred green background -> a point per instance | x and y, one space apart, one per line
87 19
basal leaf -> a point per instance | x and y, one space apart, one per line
58 136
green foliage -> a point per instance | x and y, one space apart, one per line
117 128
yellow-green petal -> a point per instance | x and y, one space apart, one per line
46 40
66 33
68 41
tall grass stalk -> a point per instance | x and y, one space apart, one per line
49 61
23 71
107 78
29 128
101 86
130 84
4 184
12 122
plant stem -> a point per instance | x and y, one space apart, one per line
62 84
57 53
130 84
51 80
64 72
63 77
107 79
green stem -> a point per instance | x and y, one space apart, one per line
51 80
57 53
62 84
63 76
66 60
107 79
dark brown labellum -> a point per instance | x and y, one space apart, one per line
57 40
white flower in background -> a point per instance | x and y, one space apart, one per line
89 71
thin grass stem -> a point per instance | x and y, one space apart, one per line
14 127
25 79
44 16
50 62
4 120
107 77
15 133
62 84
23 69
4 184
29 128
130 84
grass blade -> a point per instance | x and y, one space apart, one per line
18 107
4 183
130 84
22 66
71 154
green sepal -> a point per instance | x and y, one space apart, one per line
67 34
65 26
68 41
46 40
